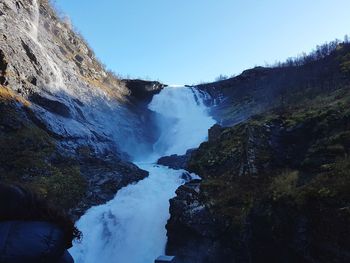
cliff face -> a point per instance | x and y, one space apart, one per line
260 89
275 186
62 113
142 90
71 94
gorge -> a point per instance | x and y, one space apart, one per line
252 168
131 227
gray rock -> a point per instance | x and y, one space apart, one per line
65 91
176 161
193 233
105 176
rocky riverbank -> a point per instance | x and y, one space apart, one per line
274 186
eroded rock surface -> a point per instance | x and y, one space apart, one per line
56 94
274 185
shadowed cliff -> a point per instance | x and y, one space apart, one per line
275 184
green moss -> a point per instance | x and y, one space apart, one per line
29 157
329 188
231 200
24 147
284 185
64 187
30 139
319 180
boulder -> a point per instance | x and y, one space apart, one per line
142 90
176 161
192 232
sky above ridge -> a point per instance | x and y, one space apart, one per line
192 41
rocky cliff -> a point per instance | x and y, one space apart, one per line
275 186
143 90
263 88
62 113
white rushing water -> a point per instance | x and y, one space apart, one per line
35 20
56 75
131 227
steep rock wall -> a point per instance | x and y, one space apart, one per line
54 91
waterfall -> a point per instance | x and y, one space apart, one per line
57 80
34 30
183 120
131 227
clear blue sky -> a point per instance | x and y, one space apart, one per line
189 41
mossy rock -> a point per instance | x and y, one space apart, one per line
301 159
30 157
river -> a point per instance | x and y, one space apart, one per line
131 227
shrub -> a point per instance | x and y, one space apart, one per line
284 185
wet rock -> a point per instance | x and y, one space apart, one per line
193 234
186 176
53 106
105 176
176 161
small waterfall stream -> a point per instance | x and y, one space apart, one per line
57 80
34 30
131 227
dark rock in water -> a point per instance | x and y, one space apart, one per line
186 176
176 161
192 232
105 176
188 193
143 90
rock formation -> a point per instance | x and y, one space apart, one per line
275 185
56 93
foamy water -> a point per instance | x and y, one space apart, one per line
131 227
